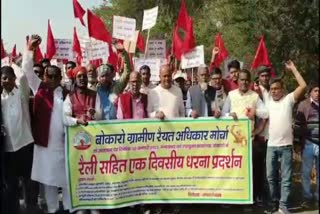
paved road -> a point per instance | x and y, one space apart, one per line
211 209
236 209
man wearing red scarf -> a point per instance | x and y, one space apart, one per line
82 105
48 166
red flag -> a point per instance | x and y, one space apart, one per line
96 62
140 43
76 46
183 16
39 55
184 22
262 57
97 28
3 52
113 58
222 54
51 46
14 52
78 11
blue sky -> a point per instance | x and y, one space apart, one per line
25 17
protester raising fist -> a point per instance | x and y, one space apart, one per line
34 42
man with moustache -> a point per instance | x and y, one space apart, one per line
281 140
201 97
166 100
133 104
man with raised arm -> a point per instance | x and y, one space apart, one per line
49 156
281 139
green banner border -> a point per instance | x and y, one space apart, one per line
244 201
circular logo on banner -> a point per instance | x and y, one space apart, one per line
239 136
82 141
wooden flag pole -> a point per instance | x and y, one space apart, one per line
90 51
191 76
146 50
129 46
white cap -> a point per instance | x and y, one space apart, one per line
180 74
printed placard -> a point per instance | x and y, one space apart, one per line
156 49
130 46
93 50
150 18
153 63
123 28
194 58
64 49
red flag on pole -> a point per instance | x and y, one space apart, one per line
183 17
184 22
3 52
97 28
140 43
76 46
78 11
51 46
113 58
222 54
39 55
14 52
262 57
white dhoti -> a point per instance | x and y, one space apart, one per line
48 165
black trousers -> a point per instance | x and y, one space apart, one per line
259 151
19 164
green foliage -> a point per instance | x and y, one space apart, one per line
291 28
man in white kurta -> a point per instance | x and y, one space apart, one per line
165 101
49 162
18 139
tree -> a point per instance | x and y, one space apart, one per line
291 28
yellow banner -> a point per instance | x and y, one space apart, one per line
113 164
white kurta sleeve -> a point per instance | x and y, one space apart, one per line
151 108
22 82
68 120
27 67
188 105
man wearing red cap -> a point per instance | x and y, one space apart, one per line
82 105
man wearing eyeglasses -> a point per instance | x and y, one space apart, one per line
68 81
48 165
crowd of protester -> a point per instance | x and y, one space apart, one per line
37 103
